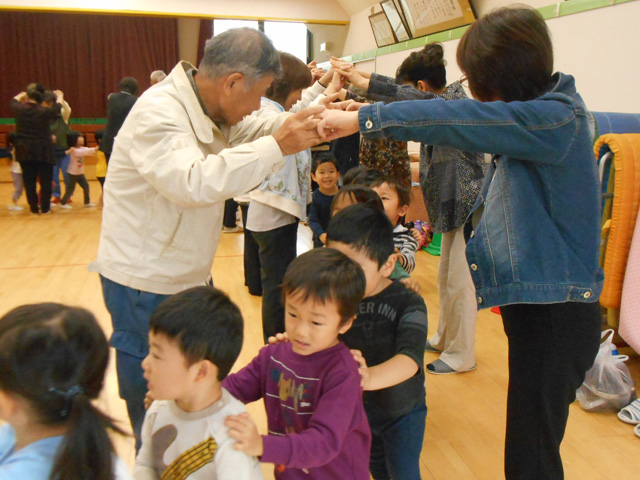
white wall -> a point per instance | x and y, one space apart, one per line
325 10
599 47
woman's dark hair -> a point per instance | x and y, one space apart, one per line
326 274
295 75
358 194
54 358
426 65
507 55
49 97
129 85
35 91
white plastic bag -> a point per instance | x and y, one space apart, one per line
608 384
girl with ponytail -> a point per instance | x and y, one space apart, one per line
52 364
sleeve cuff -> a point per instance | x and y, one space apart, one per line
369 120
316 89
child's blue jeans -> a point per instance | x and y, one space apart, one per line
396 442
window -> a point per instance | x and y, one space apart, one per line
288 37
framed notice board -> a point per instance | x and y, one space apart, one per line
382 30
393 11
430 16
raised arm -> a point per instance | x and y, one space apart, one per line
525 130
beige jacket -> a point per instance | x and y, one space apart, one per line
170 171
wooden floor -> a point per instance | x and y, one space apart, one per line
45 258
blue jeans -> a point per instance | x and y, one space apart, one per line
130 311
64 164
396 442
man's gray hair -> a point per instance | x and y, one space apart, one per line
240 50
157 76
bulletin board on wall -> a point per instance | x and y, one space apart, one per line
423 17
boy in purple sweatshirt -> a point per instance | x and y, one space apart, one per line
311 386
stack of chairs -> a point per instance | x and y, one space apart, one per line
617 149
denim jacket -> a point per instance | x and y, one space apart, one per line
537 230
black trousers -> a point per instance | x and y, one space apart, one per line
33 173
551 347
230 209
277 249
252 279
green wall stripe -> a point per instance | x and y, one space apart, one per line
417 42
550 11
568 8
458 32
438 37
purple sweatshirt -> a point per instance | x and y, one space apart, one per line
317 425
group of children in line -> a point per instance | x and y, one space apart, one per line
320 425
364 185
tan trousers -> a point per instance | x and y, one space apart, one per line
456 334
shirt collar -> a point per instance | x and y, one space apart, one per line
190 75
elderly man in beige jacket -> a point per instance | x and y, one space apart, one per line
182 151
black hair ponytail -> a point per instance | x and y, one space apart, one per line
86 451
54 357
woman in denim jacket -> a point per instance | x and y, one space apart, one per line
533 246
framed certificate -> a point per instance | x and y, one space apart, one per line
430 16
382 30
392 10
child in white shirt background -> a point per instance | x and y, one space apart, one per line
77 152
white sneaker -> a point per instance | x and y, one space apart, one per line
89 205
15 208
66 206
235 229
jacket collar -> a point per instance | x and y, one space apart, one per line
203 126
562 83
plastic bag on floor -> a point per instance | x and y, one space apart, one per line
608 385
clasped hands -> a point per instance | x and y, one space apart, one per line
317 124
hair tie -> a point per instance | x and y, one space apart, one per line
68 396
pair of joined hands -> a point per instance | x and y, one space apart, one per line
326 121
314 125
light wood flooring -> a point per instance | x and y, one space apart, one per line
45 258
